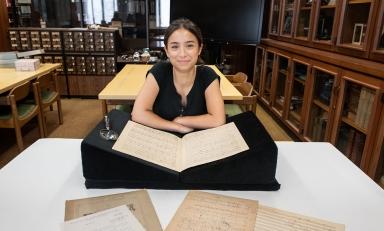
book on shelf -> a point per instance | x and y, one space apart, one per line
325 88
352 101
175 153
343 140
319 126
368 111
350 135
364 107
357 147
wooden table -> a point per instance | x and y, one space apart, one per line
9 77
128 82
316 180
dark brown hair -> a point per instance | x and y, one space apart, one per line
183 23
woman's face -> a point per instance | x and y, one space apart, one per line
183 49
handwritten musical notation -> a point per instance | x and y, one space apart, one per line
115 219
271 219
206 211
176 153
138 202
212 144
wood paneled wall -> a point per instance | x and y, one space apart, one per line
4 24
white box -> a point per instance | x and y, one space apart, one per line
27 64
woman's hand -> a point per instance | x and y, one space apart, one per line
180 127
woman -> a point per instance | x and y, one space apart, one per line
178 95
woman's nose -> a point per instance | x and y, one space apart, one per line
182 51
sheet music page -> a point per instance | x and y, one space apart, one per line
138 202
115 219
212 144
206 211
271 219
150 144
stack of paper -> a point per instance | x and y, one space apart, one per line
131 209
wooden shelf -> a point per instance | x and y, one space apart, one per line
305 8
299 80
328 6
353 124
283 71
321 105
295 115
359 1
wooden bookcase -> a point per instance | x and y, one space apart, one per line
321 102
357 115
350 27
323 76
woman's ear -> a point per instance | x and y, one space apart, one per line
166 51
201 48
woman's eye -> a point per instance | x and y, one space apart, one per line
174 47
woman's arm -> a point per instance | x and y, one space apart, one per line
142 109
215 107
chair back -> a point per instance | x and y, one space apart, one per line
21 91
245 88
47 88
239 77
22 110
47 82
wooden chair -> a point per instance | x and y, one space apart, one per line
237 78
47 87
248 103
16 110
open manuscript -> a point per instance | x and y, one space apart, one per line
178 154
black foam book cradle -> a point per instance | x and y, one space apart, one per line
253 169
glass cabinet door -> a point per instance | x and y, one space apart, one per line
320 107
325 21
353 122
379 34
275 17
267 76
296 94
355 18
288 16
258 68
381 165
304 17
356 113
279 83
376 168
